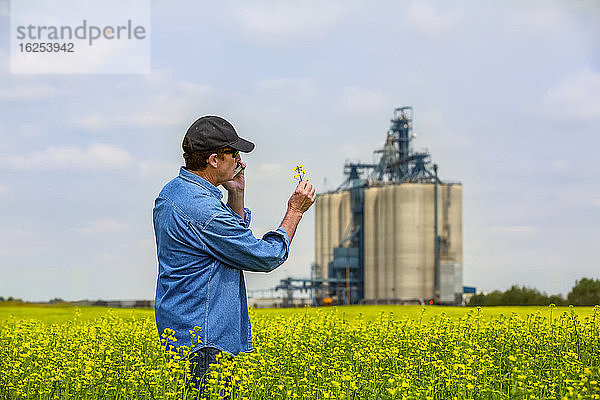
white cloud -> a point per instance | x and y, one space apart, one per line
282 97
425 19
95 157
549 17
7 234
154 168
161 101
285 21
92 122
360 100
5 192
577 197
12 241
513 230
560 165
577 97
27 92
102 226
298 88
268 172
538 18
437 128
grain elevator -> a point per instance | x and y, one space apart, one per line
391 233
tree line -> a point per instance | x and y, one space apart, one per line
10 298
15 300
586 292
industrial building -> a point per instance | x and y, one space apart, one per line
391 233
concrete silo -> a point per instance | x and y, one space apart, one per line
375 238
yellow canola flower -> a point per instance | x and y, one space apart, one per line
309 353
300 173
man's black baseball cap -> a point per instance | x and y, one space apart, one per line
211 133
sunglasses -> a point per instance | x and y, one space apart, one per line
234 153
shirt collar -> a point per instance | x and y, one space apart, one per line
198 180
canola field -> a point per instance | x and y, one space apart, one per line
356 352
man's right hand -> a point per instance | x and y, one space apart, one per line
303 197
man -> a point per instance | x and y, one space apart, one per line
204 245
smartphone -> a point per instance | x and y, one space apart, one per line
237 170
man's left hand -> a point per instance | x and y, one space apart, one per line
238 183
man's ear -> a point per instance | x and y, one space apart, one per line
212 160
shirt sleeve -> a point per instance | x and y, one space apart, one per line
248 217
234 244
247 214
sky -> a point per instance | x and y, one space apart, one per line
506 98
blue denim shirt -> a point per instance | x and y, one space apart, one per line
203 246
